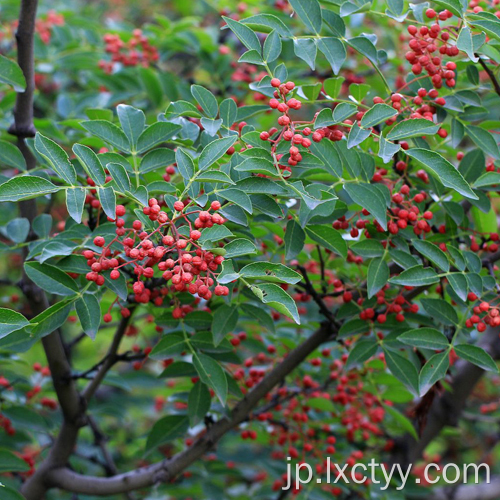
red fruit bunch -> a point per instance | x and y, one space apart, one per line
291 131
164 260
482 315
428 45
136 51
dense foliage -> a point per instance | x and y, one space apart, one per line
246 232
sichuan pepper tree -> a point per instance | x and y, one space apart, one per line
211 266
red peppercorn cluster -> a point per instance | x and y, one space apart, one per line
489 242
166 249
427 48
417 106
6 425
44 26
288 133
483 314
137 51
397 306
404 212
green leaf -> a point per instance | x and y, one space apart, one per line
368 248
487 22
483 140
328 237
167 429
75 201
214 176
228 111
433 253
441 311
11 463
270 271
257 166
132 121
294 239
443 170
211 126
403 370
334 51
199 402
377 114
171 343
416 276
387 149
238 247
50 278
11 321
251 57
11 156
425 338
435 369
108 132
343 110
120 176
89 314
309 12
108 201
178 369
51 319
333 86
454 6
362 350
10 494
357 135
214 233
198 320
306 49
464 42
487 179
212 374
364 47
272 47
401 421
225 319
17 229
185 164
326 152
246 35
214 151
277 298
417 127
263 317
370 198
42 224
266 23
206 100
459 284
11 74
156 134
472 165
377 277
477 356
321 404
238 197
91 164
56 157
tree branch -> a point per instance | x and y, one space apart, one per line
483 491
493 78
168 469
446 409
23 111
109 360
